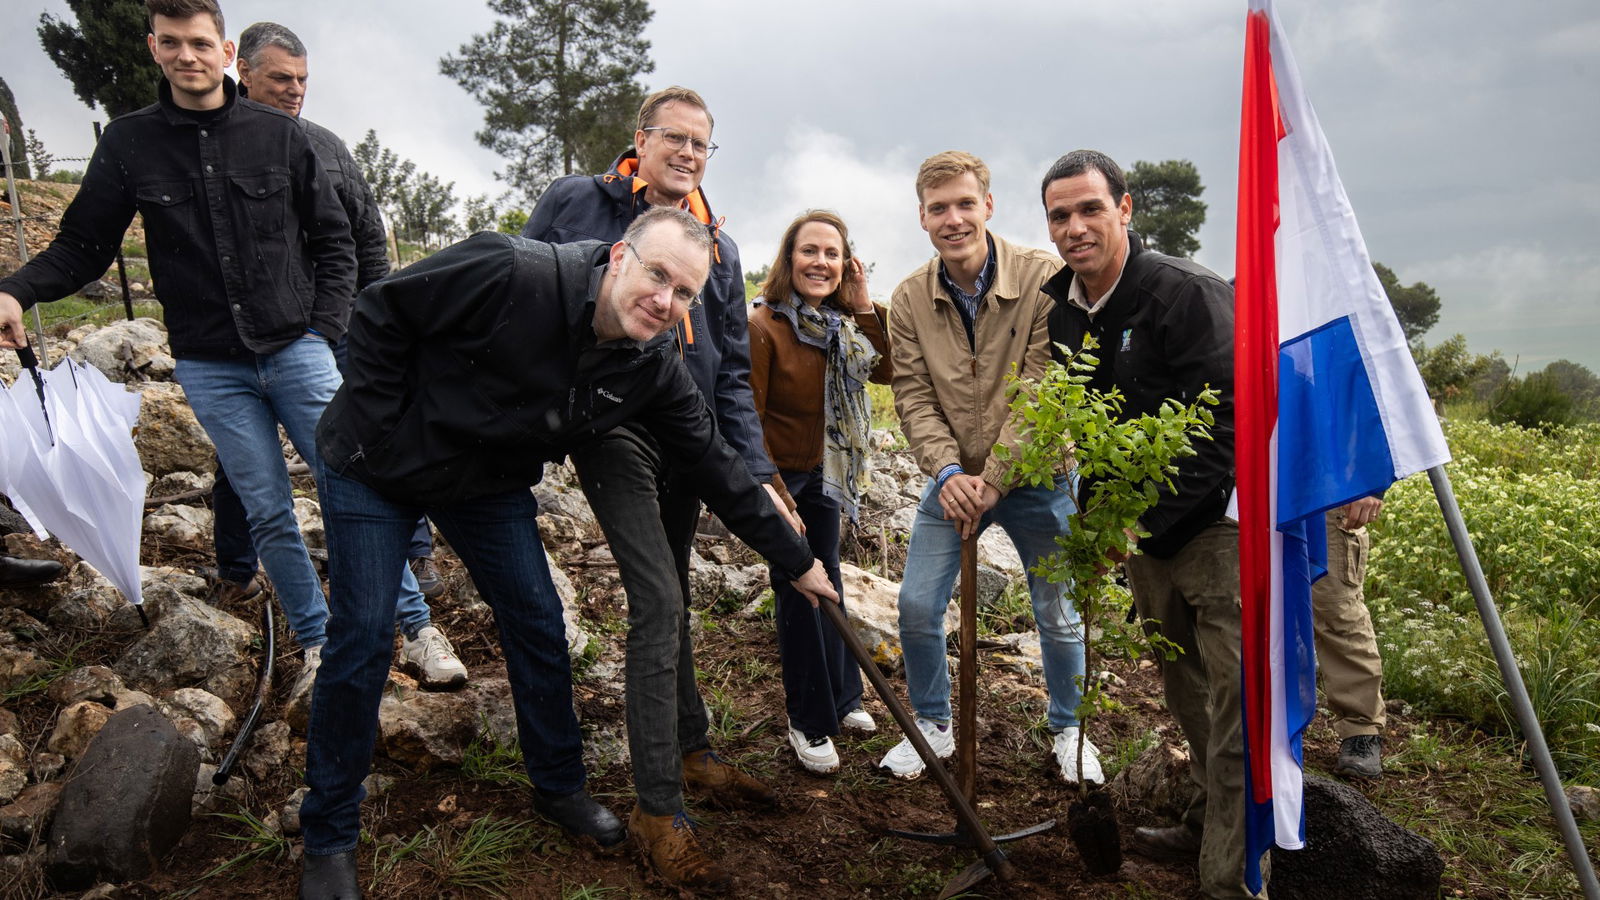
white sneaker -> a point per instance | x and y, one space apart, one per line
1066 752
858 719
297 708
433 660
818 756
903 762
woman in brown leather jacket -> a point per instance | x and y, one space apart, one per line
815 340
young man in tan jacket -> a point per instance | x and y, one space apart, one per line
958 326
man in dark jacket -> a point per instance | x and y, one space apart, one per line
272 70
647 510
468 372
1165 331
251 257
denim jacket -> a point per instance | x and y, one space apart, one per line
248 245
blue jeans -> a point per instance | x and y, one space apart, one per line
240 403
1031 517
498 539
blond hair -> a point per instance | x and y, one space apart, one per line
941 167
654 103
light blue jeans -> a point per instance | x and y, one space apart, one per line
240 403
1031 517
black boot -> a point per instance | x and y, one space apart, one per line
1360 756
17 572
330 877
577 813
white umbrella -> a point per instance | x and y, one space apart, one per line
70 467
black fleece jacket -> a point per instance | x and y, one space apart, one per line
471 369
1166 332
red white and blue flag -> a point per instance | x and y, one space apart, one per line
1329 408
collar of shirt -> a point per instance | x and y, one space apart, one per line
1078 296
969 302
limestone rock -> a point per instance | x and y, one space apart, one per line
268 749
30 812
996 551
96 683
13 768
170 439
577 638
289 815
1585 802
181 483
186 526
191 644
18 665
1353 852
1022 654
47 765
126 803
423 730
870 601
496 715
178 580
207 710
209 797
76 727
1158 781
308 515
146 350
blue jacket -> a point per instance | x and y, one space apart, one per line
714 339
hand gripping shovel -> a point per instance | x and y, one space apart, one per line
969 831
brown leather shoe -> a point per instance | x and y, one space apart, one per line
672 852
722 784
1171 843
226 593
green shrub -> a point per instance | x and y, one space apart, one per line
1531 501
1535 401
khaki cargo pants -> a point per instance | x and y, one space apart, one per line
1195 596
1347 648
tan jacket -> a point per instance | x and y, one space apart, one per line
951 398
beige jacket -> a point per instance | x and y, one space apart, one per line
952 400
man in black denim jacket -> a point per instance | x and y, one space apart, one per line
252 259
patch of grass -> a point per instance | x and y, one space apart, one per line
883 414
486 759
261 842
70 312
888 867
1123 753
586 660
33 684
387 856
588 891
489 856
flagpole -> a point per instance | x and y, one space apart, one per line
1509 674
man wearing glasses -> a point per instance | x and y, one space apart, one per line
452 409
648 508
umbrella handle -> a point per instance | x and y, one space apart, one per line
25 355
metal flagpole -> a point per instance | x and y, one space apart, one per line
1509 674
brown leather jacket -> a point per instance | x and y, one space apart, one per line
786 379
951 397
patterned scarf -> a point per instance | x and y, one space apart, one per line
846 406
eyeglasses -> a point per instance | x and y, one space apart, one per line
680 294
676 139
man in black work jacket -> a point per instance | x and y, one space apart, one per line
1165 332
468 372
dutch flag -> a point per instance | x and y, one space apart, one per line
1329 409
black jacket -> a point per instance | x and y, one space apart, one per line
360 206
714 340
248 245
471 369
1166 332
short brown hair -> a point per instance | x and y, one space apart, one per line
654 103
941 167
184 9
780 278
665 216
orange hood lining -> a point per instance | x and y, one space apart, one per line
695 203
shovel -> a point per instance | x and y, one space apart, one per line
969 831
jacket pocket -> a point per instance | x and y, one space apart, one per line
168 211
264 199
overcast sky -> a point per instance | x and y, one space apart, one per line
1460 128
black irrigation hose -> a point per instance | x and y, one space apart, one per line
263 688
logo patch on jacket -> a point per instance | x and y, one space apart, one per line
608 395
1127 339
